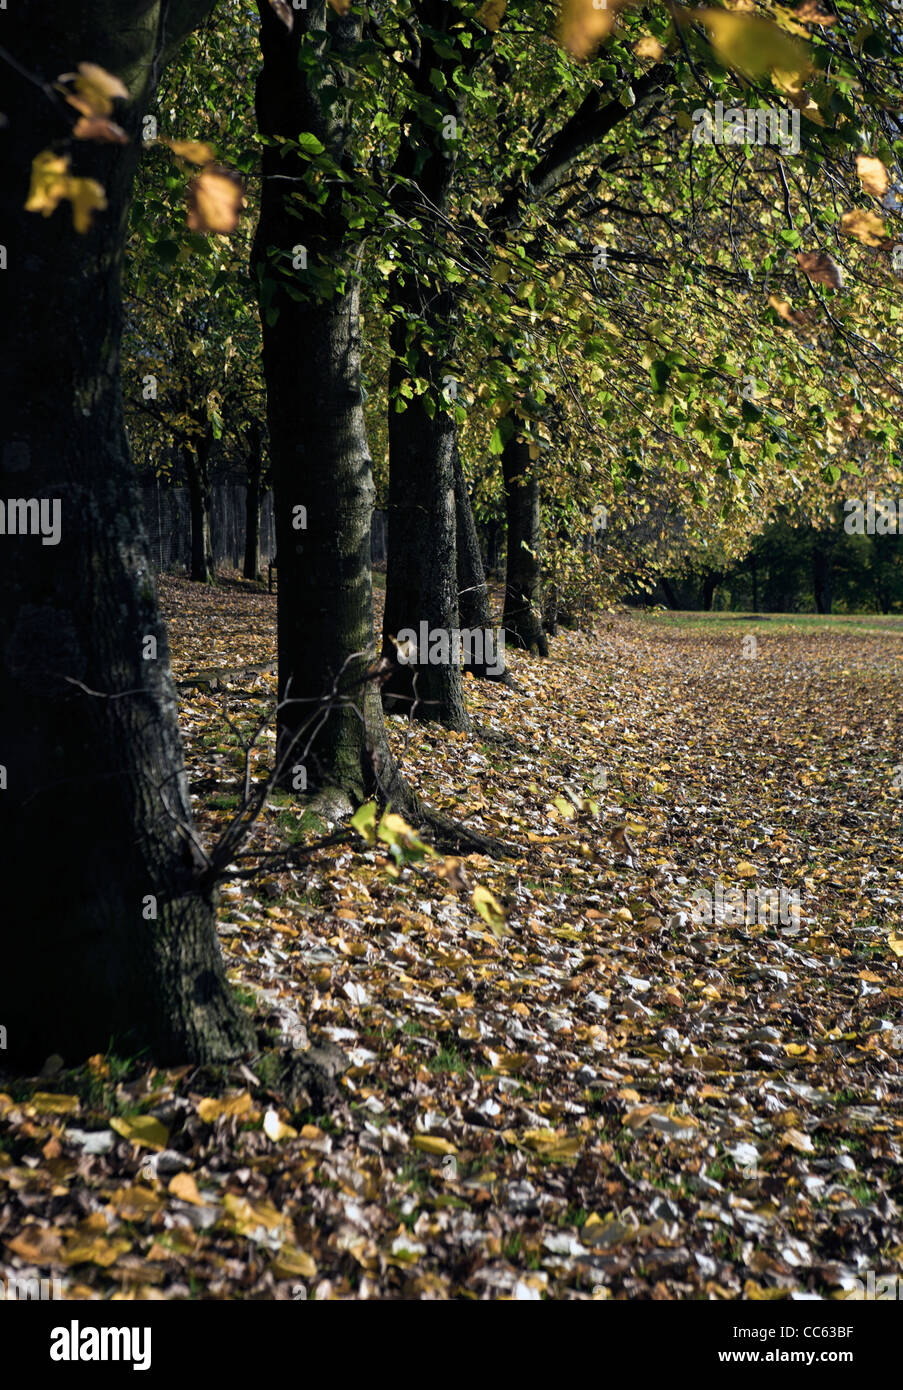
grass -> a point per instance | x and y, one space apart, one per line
862 623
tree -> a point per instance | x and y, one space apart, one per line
306 261
110 932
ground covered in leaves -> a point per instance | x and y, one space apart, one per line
560 1081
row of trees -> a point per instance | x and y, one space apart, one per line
472 238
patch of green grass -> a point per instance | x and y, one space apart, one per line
447 1059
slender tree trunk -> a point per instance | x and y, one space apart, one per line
822 573
474 611
668 590
320 462
754 568
200 501
109 936
251 568
710 582
522 619
473 591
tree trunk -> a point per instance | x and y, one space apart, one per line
320 462
710 582
422 568
522 619
473 591
196 463
668 590
251 567
421 565
822 573
109 936
474 611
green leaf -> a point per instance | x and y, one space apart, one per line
309 143
659 372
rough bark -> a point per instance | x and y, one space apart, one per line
95 821
522 618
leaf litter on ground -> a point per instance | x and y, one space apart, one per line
560 1081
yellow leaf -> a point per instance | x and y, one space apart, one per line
896 944
274 1129
215 200
636 1118
185 1188
872 175
38 1245
754 45
491 910
648 47
583 25
49 182
551 1143
564 806
291 1262
47 1104
746 870
433 1144
135 1203
866 227
98 89
393 830
241 1105
86 196
364 821
247 1216
195 151
95 1250
142 1130
757 1293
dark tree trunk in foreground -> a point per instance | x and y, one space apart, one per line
320 462
522 619
251 567
107 935
200 501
